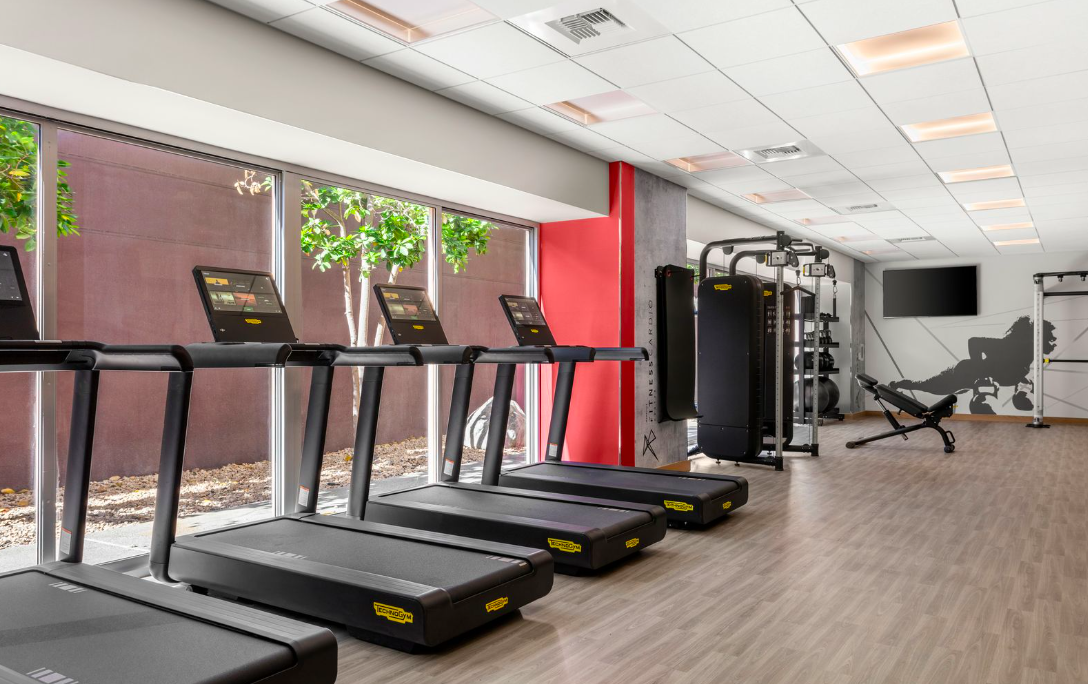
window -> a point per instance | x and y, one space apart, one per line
471 314
367 232
19 165
146 218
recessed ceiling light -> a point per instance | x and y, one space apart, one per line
950 128
916 47
777 196
982 173
871 252
611 106
996 204
823 220
707 162
1026 241
1009 226
411 22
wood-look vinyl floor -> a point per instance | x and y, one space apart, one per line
891 563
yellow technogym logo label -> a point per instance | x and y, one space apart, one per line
418 327
679 505
767 293
392 613
533 330
497 604
723 286
727 505
253 321
564 545
632 543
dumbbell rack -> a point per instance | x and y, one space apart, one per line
815 348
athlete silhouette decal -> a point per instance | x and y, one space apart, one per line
994 362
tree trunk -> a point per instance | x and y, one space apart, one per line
380 329
349 314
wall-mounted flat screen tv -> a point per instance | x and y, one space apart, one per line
950 291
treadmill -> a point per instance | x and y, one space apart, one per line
67 622
688 498
582 533
396 587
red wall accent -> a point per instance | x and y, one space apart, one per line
587 290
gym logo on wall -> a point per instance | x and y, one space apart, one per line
993 363
648 445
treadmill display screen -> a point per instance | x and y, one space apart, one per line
10 291
240 292
407 304
524 311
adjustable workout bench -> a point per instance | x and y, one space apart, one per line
931 415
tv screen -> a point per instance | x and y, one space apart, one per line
951 291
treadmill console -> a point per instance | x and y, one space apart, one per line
243 306
409 315
527 321
16 312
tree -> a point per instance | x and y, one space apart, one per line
18 185
351 229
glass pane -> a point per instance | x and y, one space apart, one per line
494 265
345 233
146 217
18 227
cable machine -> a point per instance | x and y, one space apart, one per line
1038 328
732 417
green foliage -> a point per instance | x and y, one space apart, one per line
461 234
18 185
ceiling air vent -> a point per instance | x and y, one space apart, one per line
858 208
588 25
771 153
786 151
867 208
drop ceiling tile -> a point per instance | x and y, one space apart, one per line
507 9
970 161
905 183
851 200
938 107
755 136
1039 61
825 99
1039 91
928 192
540 121
930 249
338 34
1074 149
1038 168
1055 21
939 202
854 189
794 72
864 119
685 15
914 167
485 97
1051 114
584 140
844 21
414 67
623 153
490 51
1074 210
840 177
744 41
925 81
690 92
265 11
740 173
803 167
968 144
1042 194
985 190
1045 180
971 8
650 61
861 159
844 230
552 83
728 116
1020 249
993 217
797 209
656 135
844 143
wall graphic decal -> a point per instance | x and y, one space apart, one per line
992 363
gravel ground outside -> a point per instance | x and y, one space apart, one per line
126 500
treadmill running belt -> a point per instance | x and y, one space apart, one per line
461 573
611 521
630 479
92 637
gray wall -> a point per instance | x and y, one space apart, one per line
660 219
920 348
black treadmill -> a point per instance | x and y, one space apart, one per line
582 533
396 587
695 498
70 623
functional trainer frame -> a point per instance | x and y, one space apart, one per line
1038 329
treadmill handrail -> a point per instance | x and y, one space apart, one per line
387 355
239 354
621 354
572 353
30 355
452 354
516 355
